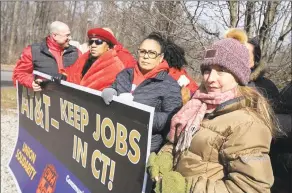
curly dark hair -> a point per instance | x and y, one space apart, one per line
173 54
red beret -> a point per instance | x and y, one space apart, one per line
102 34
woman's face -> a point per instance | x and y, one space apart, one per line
218 80
150 55
97 47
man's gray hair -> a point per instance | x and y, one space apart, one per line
57 26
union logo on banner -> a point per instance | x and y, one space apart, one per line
48 180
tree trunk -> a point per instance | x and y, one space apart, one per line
233 10
36 19
26 32
13 31
45 21
269 17
167 15
73 15
248 23
42 25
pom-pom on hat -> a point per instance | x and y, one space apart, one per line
230 53
102 34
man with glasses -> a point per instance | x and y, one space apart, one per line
51 56
97 68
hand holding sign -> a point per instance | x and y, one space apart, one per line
108 94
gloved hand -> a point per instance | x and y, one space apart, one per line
108 94
127 97
159 164
172 182
58 77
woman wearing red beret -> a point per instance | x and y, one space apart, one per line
97 68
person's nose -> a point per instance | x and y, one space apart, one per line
212 76
69 38
146 54
93 45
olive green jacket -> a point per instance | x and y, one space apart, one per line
229 154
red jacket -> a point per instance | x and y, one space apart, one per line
176 74
24 66
103 71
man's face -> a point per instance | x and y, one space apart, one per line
97 47
62 37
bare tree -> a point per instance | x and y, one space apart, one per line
249 18
191 24
233 9
13 30
267 23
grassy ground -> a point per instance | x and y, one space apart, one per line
8 98
7 67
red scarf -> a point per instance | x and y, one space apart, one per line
139 77
187 121
57 51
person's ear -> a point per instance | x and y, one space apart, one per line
54 35
161 57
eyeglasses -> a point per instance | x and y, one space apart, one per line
66 35
97 42
151 54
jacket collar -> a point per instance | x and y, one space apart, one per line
44 48
160 76
228 106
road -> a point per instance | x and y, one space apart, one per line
6 78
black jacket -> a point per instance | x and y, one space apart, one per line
264 85
281 148
161 92
267 88
285 100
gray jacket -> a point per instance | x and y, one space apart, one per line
161 92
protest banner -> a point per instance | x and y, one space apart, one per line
69 140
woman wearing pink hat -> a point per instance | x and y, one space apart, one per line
97 68
219 142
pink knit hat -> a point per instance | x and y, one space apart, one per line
232 54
